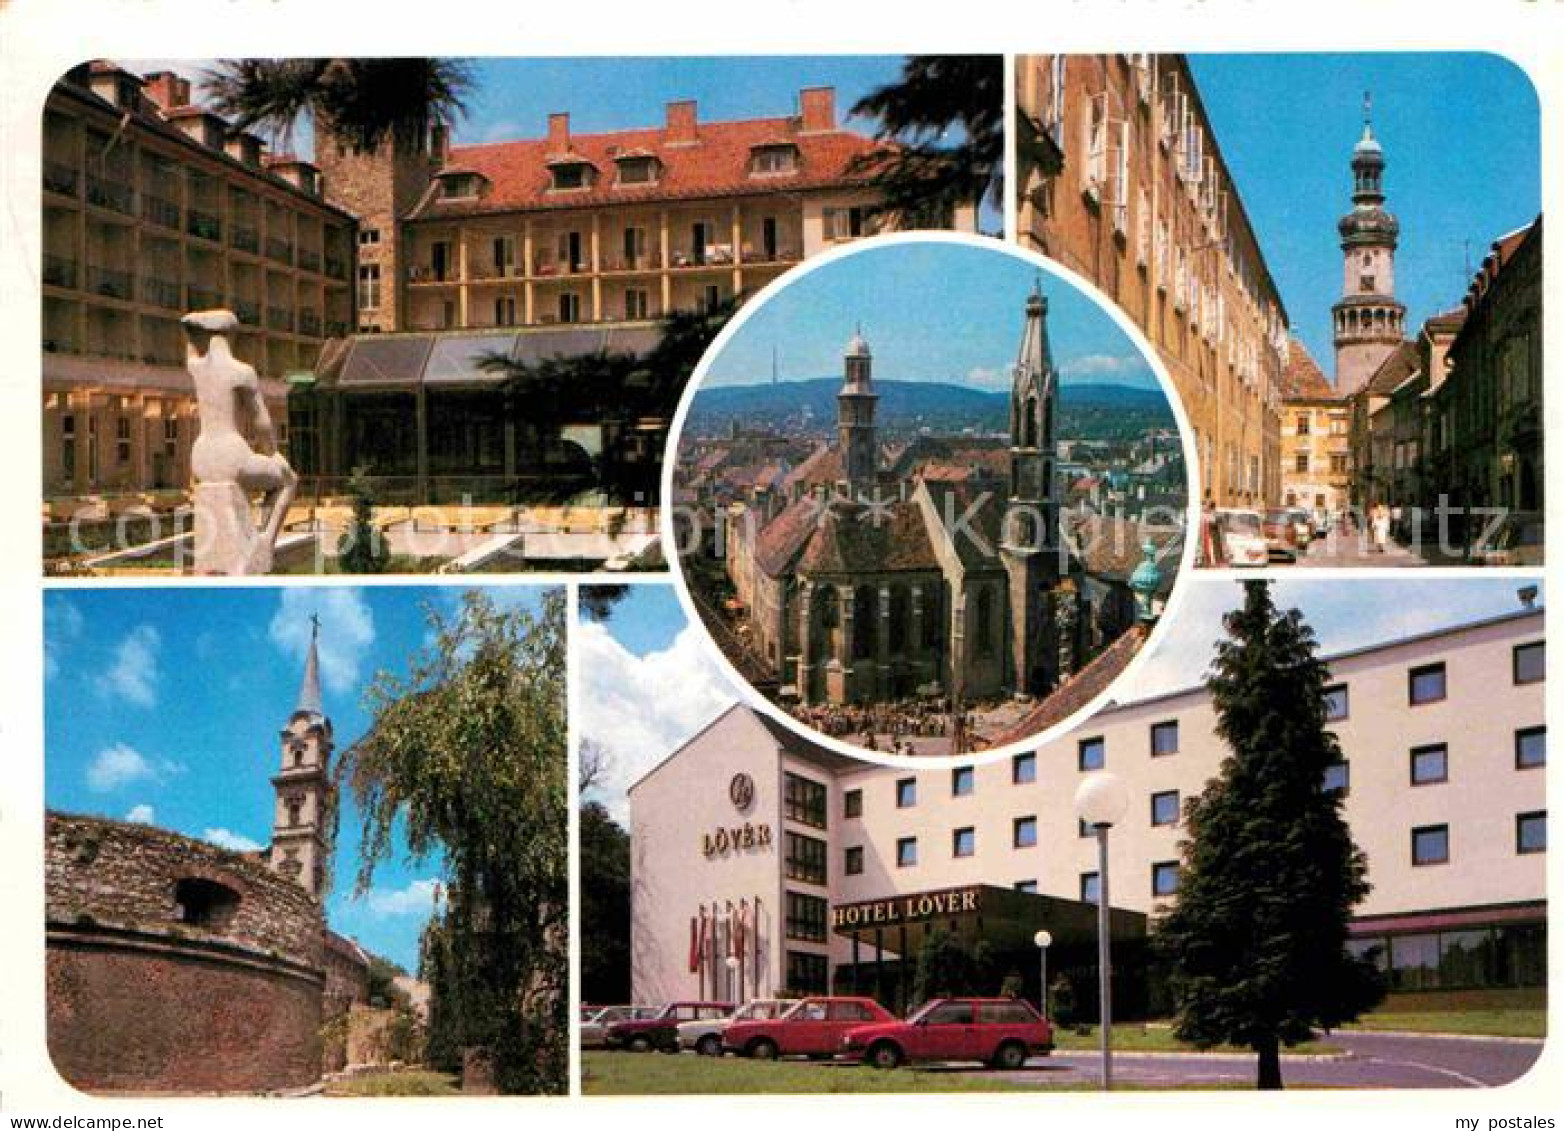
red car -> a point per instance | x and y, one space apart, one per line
813 1027
662 1031
1001 1032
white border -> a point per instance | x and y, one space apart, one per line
1060 274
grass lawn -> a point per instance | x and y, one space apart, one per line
650 1074
1487 1013
1159 1038
413 1082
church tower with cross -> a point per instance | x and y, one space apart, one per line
1368 321
305 796
855 420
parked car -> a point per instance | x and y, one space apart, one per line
1515 541
1243 537
661 1030
1000 1032
1281 537
595 1020
1212 548
813 1027
1302 526
705 1036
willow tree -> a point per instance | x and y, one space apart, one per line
465 763
1257 941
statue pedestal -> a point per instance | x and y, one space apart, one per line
226 541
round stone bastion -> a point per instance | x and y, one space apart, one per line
177 966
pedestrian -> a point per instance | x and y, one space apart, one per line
1381 522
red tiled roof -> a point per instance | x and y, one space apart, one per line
1079 690
859 539
784 536
1398 365
1302 380
717 165
824 466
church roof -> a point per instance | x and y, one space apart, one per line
969 516
779 543
854 538
309 690
1392 373
1303 379
824 465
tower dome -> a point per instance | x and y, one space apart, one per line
857 347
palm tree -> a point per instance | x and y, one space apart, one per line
363 101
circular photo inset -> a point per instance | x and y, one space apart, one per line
927 497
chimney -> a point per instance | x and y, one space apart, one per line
244 146
168 90
440 143
558 133
681 129
817 106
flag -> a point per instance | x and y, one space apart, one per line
694 945
740 922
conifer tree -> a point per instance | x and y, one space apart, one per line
1257 940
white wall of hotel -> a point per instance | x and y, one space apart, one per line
1488 888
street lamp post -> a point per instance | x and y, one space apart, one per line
1100 801
1043 940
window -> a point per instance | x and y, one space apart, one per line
1301 427
505 311
1426 684
570 307
907 852
205 903
951 1013
1164 878
122 439
845 223
962 779
773 159
852 803
573 176
503 252
1091 890
1337 703
805 917
1531 748
1164 807
1531 832
637 303
637 170
1430 764
963 842
1164 738
1092 754
1023 832
852 861
1023 769
1337 779
807 973
803 800
906 793
1529 662
458 186
1431 844
369 286
1025 887
1300 463
805 859
368 237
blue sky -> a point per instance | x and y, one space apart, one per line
931 312
164 705
1460 134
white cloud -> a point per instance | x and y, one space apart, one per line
639 709
226 838
989 379
133 674
63 623
347 629
417 898
141 815
120 765
1105 365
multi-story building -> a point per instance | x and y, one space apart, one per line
1316 437
1368 320
153 207
836 869
1121 179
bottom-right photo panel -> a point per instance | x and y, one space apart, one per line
1305 847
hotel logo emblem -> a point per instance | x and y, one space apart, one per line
741 791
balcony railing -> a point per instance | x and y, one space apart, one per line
648 261
160 292
309 260
428 274
59 271
245 238
108 193
248 312
200 298
279 250
108 282
160 210
60 178
279 318
336 267
309 323
205 225
774 255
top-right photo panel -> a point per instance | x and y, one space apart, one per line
1338 258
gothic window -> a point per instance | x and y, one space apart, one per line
295 811
900 611
1029 426
985 622
865 619
932 614
205 903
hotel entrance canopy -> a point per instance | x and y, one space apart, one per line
1003 917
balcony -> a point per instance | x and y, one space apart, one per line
204 225
549 266
248 311
159 210
309 323
762 256
112 194
336 267
279 318
428 274
201 298
309 260
109 283
60 178
160 292
245 238
59 271
712 255
647 261
279 251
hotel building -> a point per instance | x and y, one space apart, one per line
151 207
814 870
1120 178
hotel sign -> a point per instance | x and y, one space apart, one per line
903 909
735 838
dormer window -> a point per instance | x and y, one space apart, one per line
771 160
460 186
638 169
570 174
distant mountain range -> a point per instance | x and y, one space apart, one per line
1086 410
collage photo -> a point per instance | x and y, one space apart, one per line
609 575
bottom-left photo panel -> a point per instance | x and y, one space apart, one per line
307 840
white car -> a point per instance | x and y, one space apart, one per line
595 1022
1244 535
705 1036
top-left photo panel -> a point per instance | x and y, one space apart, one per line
320 316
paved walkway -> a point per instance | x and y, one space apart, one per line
1338 549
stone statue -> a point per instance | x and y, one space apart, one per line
226 469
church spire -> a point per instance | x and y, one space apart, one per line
305 796
855 419
309 690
